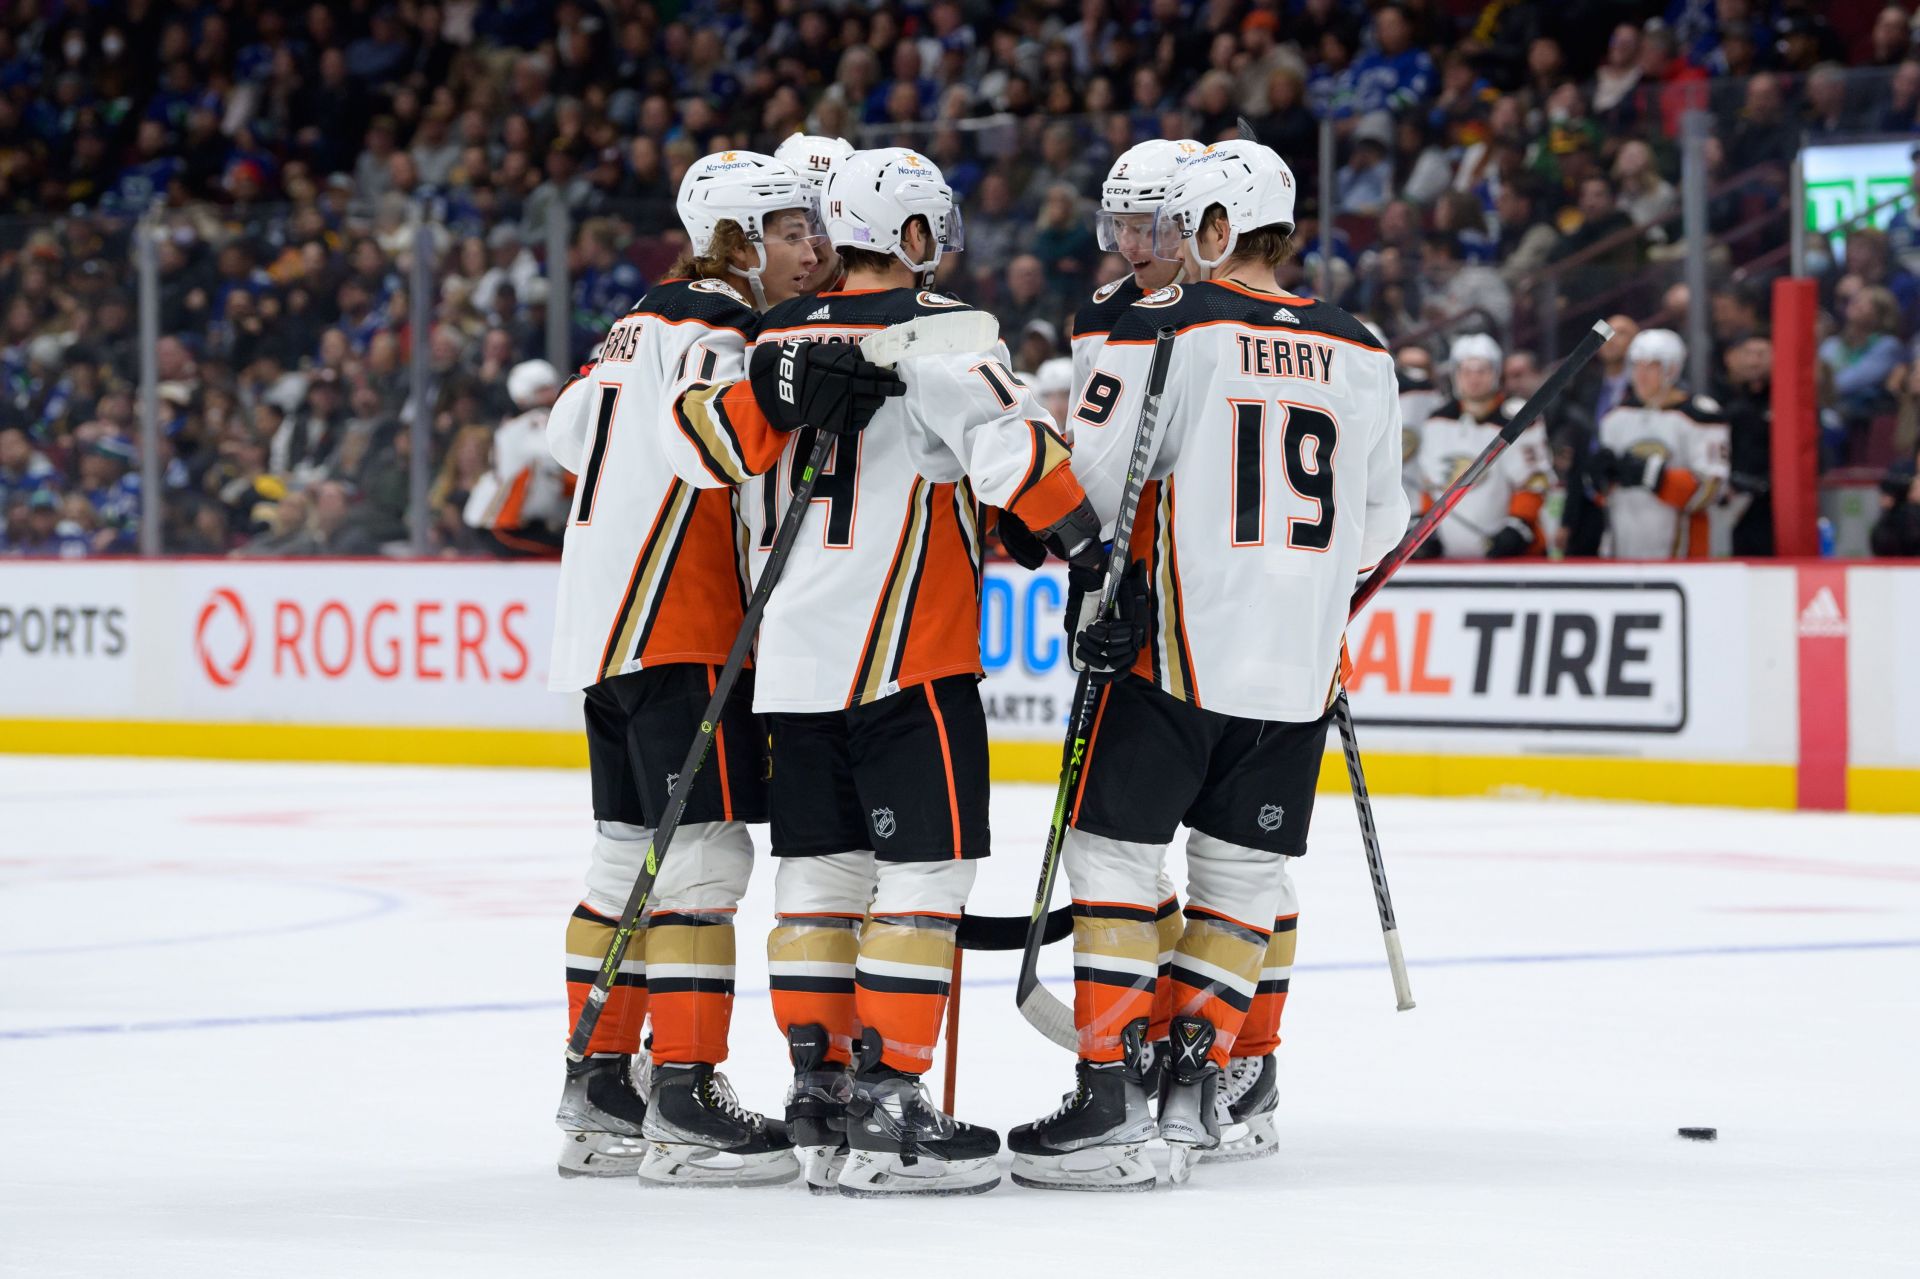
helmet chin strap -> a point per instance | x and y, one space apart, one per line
752 278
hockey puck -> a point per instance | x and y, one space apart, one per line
1700 1134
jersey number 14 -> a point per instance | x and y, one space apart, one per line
1309 437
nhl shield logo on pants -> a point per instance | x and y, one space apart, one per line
1271 815
883 822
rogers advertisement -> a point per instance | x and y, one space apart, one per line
369 643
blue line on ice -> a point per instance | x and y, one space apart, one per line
550 1005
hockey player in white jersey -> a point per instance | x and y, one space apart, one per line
1276 482
522 499
1134 188
1499 518
868 670
812 156
651 596
1663 457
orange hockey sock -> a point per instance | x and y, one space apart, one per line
690 984
810 965
588 935
901 981
1260 1032
1116 959
1215 970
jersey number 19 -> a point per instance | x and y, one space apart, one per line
1309 437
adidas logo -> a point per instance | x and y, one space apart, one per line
1822 618
1285 316
821 314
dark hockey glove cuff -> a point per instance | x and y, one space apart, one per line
1602 470
1075 538
1510 541
1632 472
1108 646
1018 541
826 385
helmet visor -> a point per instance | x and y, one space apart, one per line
1128 234
956 237
1169 235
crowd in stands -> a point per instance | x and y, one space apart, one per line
1509 166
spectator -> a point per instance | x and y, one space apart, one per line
1897 531
1526 242
1394 76
1460 298
1870 259
1826 115
112 494
1644 196
24 470
1365 182
1859 359
1063 240
1619 75
1287 126
1614 381
1025 297
1748 401
1761 135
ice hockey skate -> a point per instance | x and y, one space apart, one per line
698 1134
1244 1106
1096 1139
1187 1118
601 1112
817 1108
899 1143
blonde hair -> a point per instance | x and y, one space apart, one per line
717 262
467 437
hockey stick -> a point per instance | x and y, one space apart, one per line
927 335
953 1035
1042 1009
1543 399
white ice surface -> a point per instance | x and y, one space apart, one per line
306 1020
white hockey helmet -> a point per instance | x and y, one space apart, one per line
1138 182
744 188
527 379
872 195
1250 181
1474 346
1053 377
1659 346
812 156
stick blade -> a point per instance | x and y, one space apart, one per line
1046 1014
957 333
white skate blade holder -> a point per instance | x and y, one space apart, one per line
676 1164
1097 1169
961 333
871 1174
1256 1138
599 1154
821 1165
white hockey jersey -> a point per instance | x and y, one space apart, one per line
1275 484
1668 521
524 488
652 570
1416 407
882 590
1512 491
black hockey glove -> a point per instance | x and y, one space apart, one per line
1018 541
1634 472
826 385
1075 535
1107 646
1429 549
1602 470
1509 542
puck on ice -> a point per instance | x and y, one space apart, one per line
1700 1134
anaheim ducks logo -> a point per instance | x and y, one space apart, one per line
1106 291
1161 297
926 298
1645 449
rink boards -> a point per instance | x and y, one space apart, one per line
1774 685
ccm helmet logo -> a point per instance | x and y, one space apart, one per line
223 603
